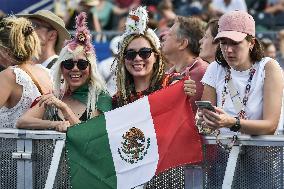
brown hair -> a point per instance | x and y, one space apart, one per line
193 29
213 26
266 42
125 83
256 54
18 36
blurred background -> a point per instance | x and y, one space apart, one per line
106 18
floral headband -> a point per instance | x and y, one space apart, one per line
136 23
82 36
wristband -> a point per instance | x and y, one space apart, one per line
237 125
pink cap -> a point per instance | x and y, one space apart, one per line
236 25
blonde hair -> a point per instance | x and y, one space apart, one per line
19 37
124 78
96 83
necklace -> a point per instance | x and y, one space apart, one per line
228 77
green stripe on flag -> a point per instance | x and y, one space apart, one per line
89 155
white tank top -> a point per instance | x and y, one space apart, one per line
9 116
215 77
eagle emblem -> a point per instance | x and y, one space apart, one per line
134 146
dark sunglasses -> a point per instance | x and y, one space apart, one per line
70 64
37 25
144 53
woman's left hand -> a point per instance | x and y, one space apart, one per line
189 87
218 119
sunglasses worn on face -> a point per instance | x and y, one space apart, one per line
144 53
70 64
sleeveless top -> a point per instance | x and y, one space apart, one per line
9 116
215 77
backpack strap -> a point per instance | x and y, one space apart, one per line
32 77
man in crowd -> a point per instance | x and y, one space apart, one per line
181 47
52 34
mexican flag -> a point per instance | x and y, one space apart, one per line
127 146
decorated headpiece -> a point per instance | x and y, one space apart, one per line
136 26
81 43
136 23
82 36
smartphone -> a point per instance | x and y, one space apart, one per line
205 104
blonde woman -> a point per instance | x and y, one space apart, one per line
22 83
79 91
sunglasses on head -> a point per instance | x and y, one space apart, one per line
144 53
70 64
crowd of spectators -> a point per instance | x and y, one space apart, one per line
110 15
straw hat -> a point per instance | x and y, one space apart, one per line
56 22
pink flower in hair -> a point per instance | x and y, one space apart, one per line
82 36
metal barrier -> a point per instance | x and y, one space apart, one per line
30 159
36 159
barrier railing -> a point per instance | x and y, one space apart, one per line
36 159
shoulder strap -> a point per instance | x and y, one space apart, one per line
235 96
50 64
32 77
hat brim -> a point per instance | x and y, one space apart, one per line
63 33
91 3
233 35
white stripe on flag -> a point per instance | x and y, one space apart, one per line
118 122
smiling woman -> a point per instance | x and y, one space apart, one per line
140 70
79 91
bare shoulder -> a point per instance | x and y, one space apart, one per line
272 66
42 70
8 76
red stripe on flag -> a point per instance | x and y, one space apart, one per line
178 140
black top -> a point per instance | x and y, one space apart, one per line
2 68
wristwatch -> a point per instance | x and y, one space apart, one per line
237 125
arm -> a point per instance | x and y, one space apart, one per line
96 22
272 100
8 83
271 9
209 93
97 28
272 103
68 114
32 119
119 11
